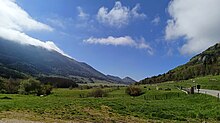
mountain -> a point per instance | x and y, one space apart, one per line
205 63
20 60
114 78
126 80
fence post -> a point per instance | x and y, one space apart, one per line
218 96
166 96
178 95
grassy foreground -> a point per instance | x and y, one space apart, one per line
153 106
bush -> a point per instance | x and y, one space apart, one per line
45 90
83 87
58 82
160 89
134 91
32 86
167 89
98 93
10 86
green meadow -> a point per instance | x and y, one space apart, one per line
157 104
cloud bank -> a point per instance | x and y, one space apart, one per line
197 21
15 22
121 41
119 15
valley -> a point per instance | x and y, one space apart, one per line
154 105
118 61
55 88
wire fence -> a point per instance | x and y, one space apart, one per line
164 96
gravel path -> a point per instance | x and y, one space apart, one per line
214 93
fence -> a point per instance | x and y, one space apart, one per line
163 96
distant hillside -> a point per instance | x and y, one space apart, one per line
126 80
115 79
18 61
205 63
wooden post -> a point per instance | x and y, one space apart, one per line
218 96
192 90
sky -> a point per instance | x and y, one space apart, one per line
135 38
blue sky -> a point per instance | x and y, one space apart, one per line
136 38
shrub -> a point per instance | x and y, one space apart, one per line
218 118
32 86
98 93
45 90
1 84
29 86
82 87
160 88
58 82
167 89
134 91
10 86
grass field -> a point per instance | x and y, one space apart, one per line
208 82
153 106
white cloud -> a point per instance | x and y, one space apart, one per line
135 14
197 21
112 41
82 14
15 22
14 17
121 41
143 45
56 22
156 20
119 15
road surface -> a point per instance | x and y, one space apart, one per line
214 93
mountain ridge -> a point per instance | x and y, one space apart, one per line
18 57
23 60
202 64
126 80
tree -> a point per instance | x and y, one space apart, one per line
30 86
98 93
134 91
44 90
11 86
